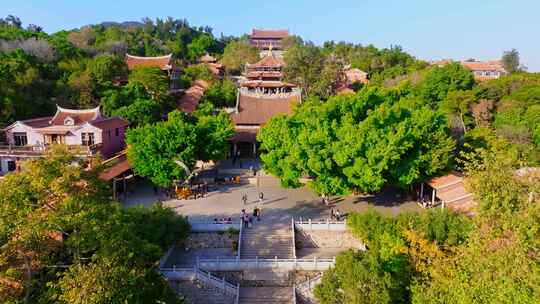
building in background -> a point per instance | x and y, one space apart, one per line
482 70
85 132
485 70
213 65
165 63
266 40
261 96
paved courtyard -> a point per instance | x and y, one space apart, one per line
279 204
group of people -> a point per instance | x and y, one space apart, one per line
247 220
245 198
335 214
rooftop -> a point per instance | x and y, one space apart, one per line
162 62
268 34
257 111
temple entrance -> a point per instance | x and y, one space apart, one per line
246 150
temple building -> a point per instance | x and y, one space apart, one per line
264 40
165 63
213 65
261 96
85 132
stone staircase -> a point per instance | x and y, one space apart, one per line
267 241
264 295
194 292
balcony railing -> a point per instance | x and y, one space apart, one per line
39 150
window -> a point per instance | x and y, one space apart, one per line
68 121
87 139
109 134
116 132
20 139
12 165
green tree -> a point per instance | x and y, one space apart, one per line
153 79
510 60
458 103
439 81
237 54
63 240
199 46
154 149
363 141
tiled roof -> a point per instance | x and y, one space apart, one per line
109 123
445 181
257 111
37 122
207 58
121 165
191 98
245 135
162 62
484 65
356 75
79 116
266 34
269 61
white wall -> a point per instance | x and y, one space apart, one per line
34 138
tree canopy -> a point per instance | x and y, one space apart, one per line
154 148
63 240
363 141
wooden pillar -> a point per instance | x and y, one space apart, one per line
254 149
421 191
433 197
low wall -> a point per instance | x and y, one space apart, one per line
211 226
228 264
310 225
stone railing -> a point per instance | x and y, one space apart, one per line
204 277
258 94
232 264
38 150
328 225
214 226
293 239
305 289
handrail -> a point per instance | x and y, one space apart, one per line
294 294
321 225
206 277
293 238
240 239
234 263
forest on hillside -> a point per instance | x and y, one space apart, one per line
63 240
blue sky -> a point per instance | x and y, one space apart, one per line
428 29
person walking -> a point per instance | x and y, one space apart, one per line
246 220
261 197
338 215
257 213
332 213
244 199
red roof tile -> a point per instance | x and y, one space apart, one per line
109 123
269 61
484 65
162 62
121 165
191 98
268 34
445 181
257 111
79 116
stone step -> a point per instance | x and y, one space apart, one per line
266 295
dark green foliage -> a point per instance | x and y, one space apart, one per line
438 81
221 94
154 148
363 141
